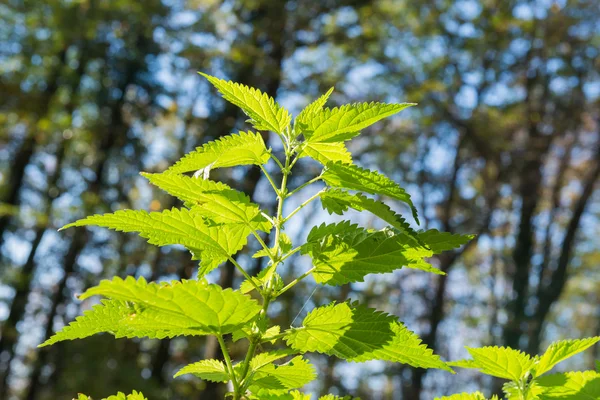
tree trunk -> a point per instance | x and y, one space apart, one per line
551 293
22 158
117 129
9 334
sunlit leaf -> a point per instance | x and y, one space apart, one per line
351 177
500 362
141 309
208 370
217 201
345 252
212 244
244 148
570 386
263 110
560 351
357 333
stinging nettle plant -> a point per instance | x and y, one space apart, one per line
216 222
527 376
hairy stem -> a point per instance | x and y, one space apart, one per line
304 204
290 253
264 245
252 348
305 184
248 277
295 281
276 160
267 293
229 365
268 176
281 195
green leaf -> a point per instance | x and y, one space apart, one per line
500 362
326 152
133 396
119 396
345 252
291 375
439 242
262 359
310 110
560 351
339 201
264 112
245 332
352 177
463 396
123 319
212 244
261 279
218 202
357 333
208 370
220 310
266 394
514 392
244 148
343 123
141 309
334 397
323 152
285 245
570 386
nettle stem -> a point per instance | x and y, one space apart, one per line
228 363
267 292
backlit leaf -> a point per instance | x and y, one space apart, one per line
357 333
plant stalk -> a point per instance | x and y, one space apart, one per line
229 365
268 296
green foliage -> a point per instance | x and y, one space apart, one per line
119 396
211 243
570 386
439 242
561 350
325 130
339 201
343 123
344 252
140 309
217 202
291 375
498 361
133 396
321 151
349 176
229 151
214 224
308 113
524 372
463 396
265 113
356 333
209 370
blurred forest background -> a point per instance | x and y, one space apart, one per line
505 143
